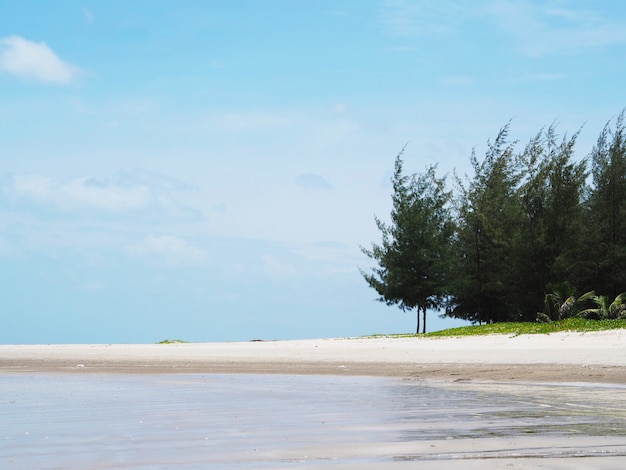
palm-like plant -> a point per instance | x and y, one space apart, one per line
562 303
605 309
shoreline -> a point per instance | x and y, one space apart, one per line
591 357
450 403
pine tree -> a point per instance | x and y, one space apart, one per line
607 211
487 218
414 257
551 195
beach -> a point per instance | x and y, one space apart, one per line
595 357
490 402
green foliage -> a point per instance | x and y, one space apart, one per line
515 229
527 328
576 324
487 219
413 259
551 194
607 212
523 224
171 341
605 309
562 303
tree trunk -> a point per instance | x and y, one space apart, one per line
424 322
417 331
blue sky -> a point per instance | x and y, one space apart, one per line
206 170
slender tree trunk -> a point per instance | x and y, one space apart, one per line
478 271
424 322
417 331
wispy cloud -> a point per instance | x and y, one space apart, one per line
168 247
34 61
275 266
542 28
457 80
311 181
129 192
242 121
77 194
535 27
88 14
541 77
340 108
420 18
216 64
336 256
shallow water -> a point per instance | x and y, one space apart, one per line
273 421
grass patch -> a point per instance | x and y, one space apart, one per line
523 328
171 341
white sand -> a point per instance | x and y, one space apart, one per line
577 356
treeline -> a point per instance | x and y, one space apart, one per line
527 226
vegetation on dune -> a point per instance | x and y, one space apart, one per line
171 341
530 328
522 328
511 240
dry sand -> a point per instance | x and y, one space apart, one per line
559 357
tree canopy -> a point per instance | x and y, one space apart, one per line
522 226
413 259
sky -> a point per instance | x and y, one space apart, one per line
207 170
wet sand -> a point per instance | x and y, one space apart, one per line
571 421
593 357
114 421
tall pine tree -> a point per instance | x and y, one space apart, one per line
607 211
551 196
414 257
487 218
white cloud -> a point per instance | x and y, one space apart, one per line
151 179
240 122
88 14
34 60
536 27
128 192
539 29
311 181
273 265
78 194
249 121
340 108
410 18
331 257
166 246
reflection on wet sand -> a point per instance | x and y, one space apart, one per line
244 421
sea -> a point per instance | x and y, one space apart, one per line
198 421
